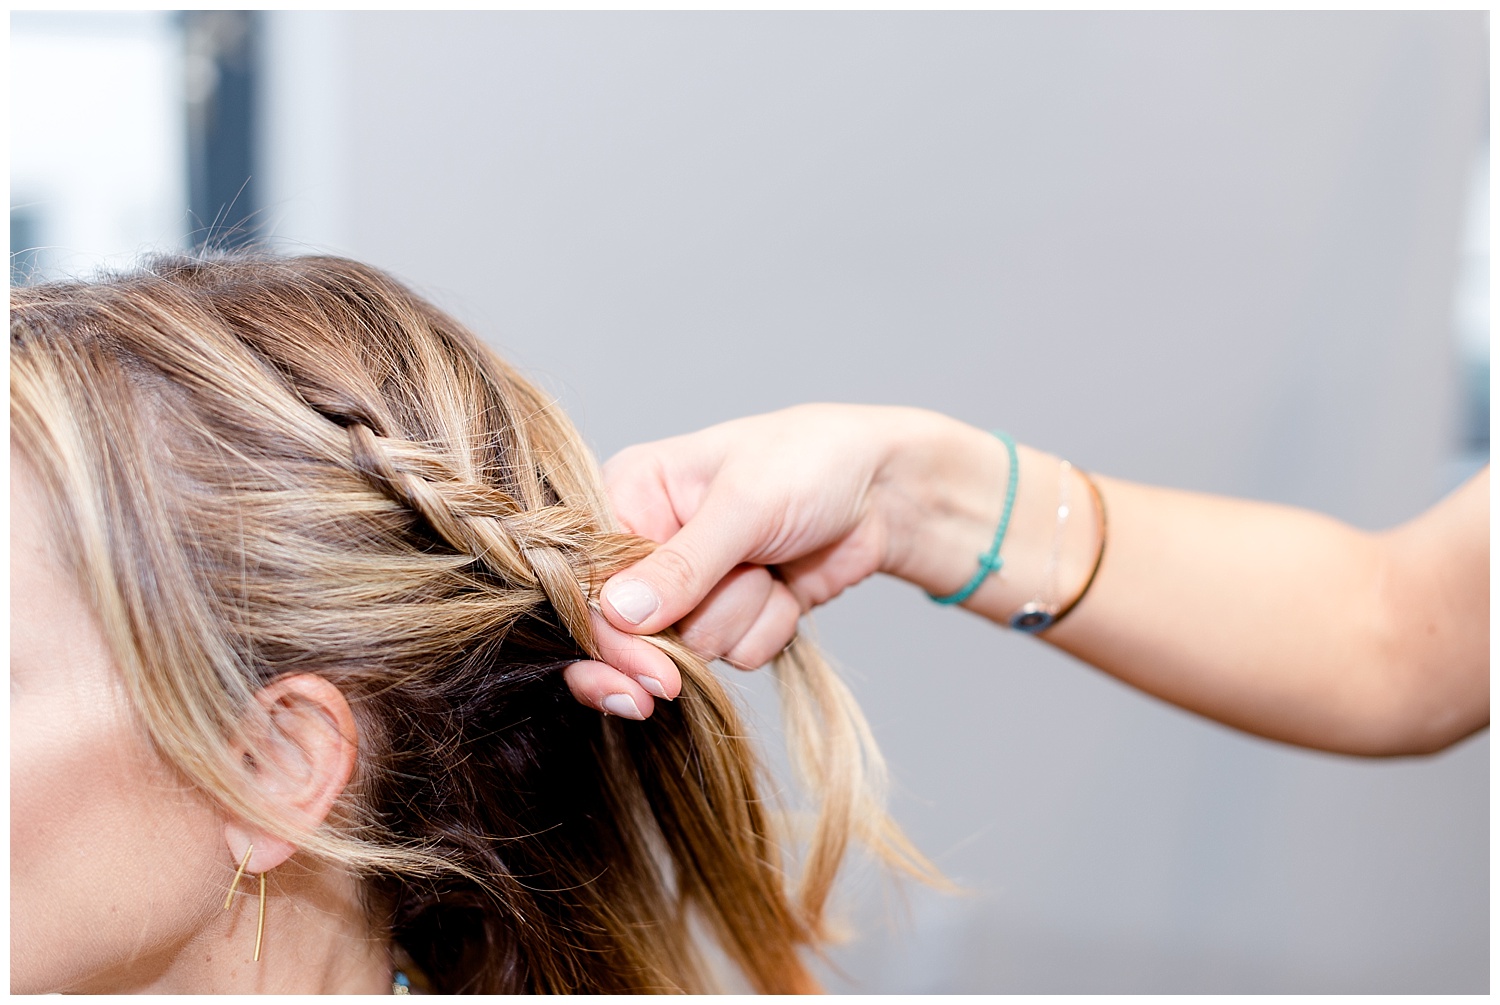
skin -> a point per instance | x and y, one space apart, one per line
119 867
624 682
1274 620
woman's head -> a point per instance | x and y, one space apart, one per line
336 555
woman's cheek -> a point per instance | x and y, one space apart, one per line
110 852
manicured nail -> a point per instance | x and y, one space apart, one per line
653 687
622 705
633 599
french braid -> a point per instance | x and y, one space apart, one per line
298 466
555 550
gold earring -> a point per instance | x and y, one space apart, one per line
260 917
229 897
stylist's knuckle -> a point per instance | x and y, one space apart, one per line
673 572
802 594
625 456
625 465
754 653
708 644
764 643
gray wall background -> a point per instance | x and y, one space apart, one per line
1210 251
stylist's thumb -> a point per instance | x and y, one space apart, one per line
664 587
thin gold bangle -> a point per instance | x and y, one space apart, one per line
1098 558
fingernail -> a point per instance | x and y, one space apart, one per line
622 705
653 687
633 599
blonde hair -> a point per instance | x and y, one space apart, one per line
264 466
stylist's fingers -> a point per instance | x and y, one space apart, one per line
715 626
634 670
638 659
819 576
773 629
662 588
601 686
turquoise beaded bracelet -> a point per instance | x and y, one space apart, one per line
991 561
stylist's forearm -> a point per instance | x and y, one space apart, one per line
1290 624
1244 612
1270 619
1267 618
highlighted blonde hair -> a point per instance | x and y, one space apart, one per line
264 466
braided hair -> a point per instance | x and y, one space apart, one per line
272 465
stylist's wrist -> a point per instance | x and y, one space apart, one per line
942 491
936 492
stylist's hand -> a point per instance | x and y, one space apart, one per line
828 494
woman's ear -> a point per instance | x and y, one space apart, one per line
299 760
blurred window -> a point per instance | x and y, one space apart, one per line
222 50
1472 325
98 140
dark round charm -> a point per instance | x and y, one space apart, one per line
1031 619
